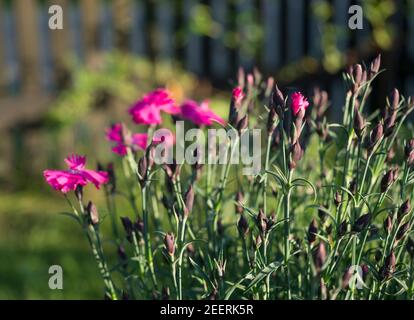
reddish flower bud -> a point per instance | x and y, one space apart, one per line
271 121
376 135
128 227
375 66
402 231
319 256
261 221
189 200
239 199
389 266
359 123
337 198
404 209
387 180
388 224
243 124
169 243
92 213
243 226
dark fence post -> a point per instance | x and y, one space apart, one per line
193 48
272 17
220 65
164 31
295 28
138 32
28 44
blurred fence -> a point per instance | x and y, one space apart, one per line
31 55
210 38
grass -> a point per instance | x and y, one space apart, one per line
33 236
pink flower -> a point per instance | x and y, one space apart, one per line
76 175
148 109
299 102
136 141
238 95
199 114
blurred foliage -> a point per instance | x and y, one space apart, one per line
115 79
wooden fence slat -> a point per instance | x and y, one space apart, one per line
193 49
28 44
220 65
295 39
45 50
138 14
11 57
272 32
105 24
60 45
164 32
244 7
314 32
3 64
341 20
90 26
122 22
410 29
75 30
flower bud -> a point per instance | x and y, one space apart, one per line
122 254
128 227
297 154
402 231
239 199
319 256
243 124
261 221
278 102
359 123
142 169
361 223
352 186
409 152
337 198
312 231
389 266
189 200
409 147
387 180
243 226
92 213
404 209
375 66
376 135
169 243
271 121
150 155
258 242
388 224
139 226
358 74
346 277
342 229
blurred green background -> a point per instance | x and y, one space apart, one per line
60 89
